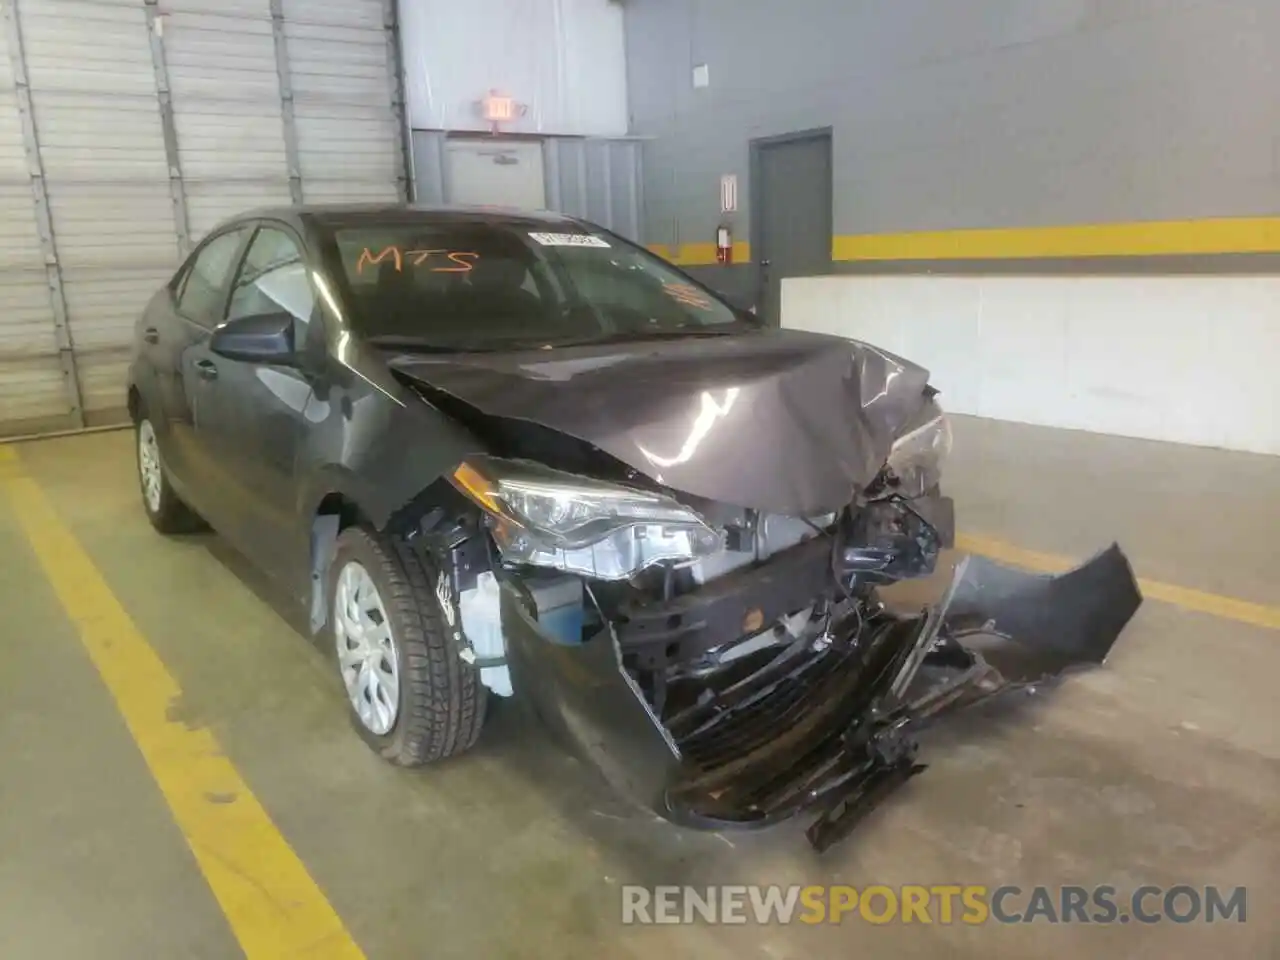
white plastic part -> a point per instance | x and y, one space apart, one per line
482 624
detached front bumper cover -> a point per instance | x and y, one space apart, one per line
848 718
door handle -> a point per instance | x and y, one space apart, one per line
207 369
151 335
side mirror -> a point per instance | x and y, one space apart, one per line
257 338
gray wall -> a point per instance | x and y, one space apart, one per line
949 114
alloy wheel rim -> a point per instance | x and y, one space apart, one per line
149 465
366 650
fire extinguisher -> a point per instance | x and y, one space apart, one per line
724 245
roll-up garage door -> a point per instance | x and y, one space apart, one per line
128 129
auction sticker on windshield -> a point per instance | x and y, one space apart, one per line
569 240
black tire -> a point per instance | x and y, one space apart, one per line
168 514
442 702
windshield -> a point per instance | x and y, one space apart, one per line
479 285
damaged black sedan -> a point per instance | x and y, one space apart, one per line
515 455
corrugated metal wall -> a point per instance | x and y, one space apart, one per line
128 128
599 179
596 179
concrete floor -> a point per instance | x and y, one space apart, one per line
1162 767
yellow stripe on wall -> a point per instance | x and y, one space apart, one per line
1162 238
700 254
1154 238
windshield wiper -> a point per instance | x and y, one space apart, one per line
415 345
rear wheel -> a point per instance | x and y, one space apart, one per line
163 506
411 697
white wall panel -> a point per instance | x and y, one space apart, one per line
348 191
32 381
219 57
32 392
19 241
115 295
338 62
102 375
341 69
211 202
365 14
13 160
564 59
84 45
344 142
27 328
1182 359
126 225
225 85
105 233
102 148
230 141
241 9
145 142
97 137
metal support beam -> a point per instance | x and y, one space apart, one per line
635 185
286 101
551 147
442 152
44 221
608 183
582 181
405 186
177 189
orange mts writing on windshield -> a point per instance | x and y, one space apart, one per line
462 260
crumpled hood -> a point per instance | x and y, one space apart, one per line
779 420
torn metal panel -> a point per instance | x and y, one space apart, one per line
830 728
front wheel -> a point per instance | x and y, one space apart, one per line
164 507
411 697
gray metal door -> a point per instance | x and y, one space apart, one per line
498 173
791 212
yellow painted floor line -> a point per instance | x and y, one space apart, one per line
1202 601
272 904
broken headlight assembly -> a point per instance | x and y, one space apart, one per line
606 531
916 459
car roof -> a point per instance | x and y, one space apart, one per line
334 215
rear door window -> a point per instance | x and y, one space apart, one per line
204 289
